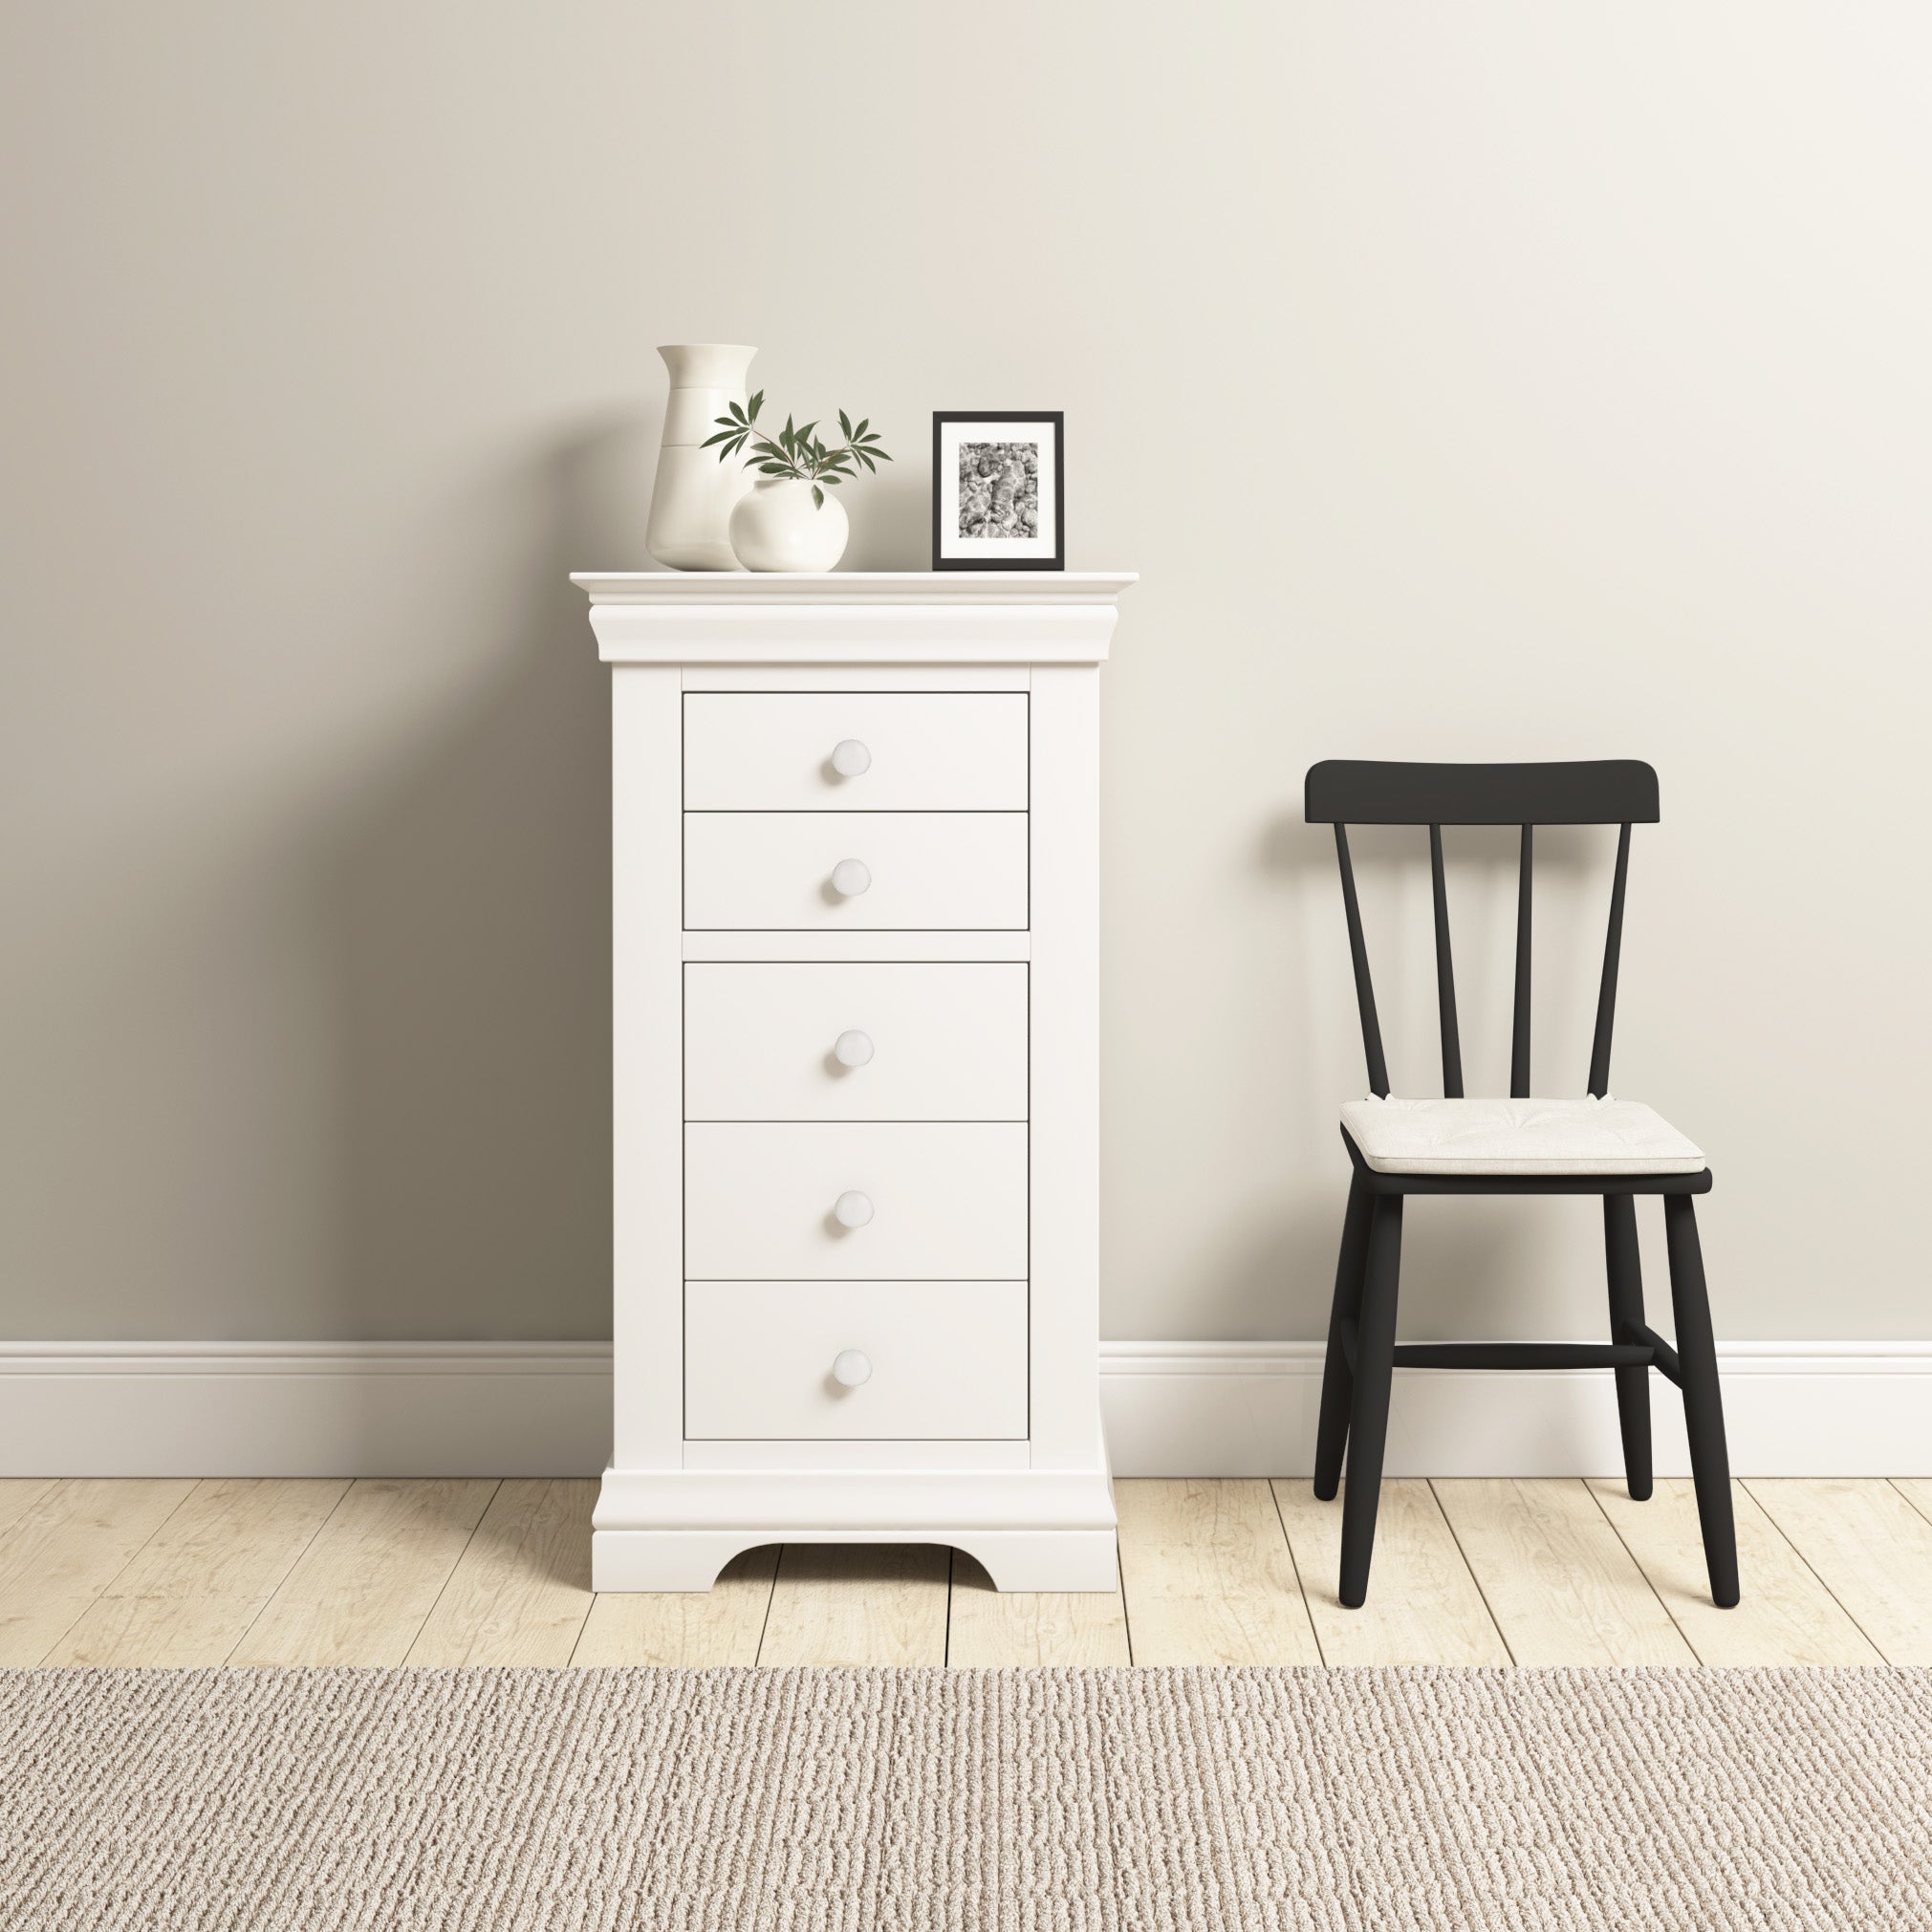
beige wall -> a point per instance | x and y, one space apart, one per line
1475 381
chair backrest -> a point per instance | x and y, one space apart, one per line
1345 791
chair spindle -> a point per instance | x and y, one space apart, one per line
1445 974
1358 952
1519 1032
1606 995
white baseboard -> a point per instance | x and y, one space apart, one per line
1171 1409
1248 1409
304 1408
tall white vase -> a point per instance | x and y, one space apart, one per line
691 505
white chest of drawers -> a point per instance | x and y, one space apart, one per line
856 1110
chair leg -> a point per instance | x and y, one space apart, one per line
1626 1312
1702 1404
1369 1413
1337 1382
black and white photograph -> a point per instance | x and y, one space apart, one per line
997 502
999 489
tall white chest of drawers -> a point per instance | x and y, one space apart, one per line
856 1106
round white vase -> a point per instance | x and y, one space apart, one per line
692 503
778 526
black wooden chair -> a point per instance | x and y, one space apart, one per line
1456 1145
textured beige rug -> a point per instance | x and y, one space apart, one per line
891 1801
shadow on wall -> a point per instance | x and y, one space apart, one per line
469 897
891 517
472 890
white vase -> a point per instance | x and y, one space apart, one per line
778 526
692 503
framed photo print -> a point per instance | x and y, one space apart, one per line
996 489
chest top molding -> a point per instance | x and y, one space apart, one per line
853 616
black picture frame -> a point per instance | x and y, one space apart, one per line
945 488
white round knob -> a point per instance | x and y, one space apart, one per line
849 877
852 1048
852 1209
850 1367
850 757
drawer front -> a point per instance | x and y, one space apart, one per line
941 1360
946 1202
923 871
773 751
929 1042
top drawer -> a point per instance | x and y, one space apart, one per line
905 751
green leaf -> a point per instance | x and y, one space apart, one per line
880 454
776 468
845 426
753 406
738 414
818 497
723 436
862 422
865 459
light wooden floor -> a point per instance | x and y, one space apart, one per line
96 1572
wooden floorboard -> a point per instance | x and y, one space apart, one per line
18 1494
1556 1577
521 1590
684 1629
65 1546
96 1572
363 1589
1785 1616
858 1603
997 1629
1206 1574
1869 1547
1424 1605
201 1580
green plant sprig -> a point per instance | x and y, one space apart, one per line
797 453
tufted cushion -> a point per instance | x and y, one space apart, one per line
1517 1136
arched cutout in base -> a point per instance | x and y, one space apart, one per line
1015 1559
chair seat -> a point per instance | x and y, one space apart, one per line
1517 1136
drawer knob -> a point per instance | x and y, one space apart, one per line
850 758
850 877
851 1367
852 1048
852 1209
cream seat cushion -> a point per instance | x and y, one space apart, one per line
1517 1136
